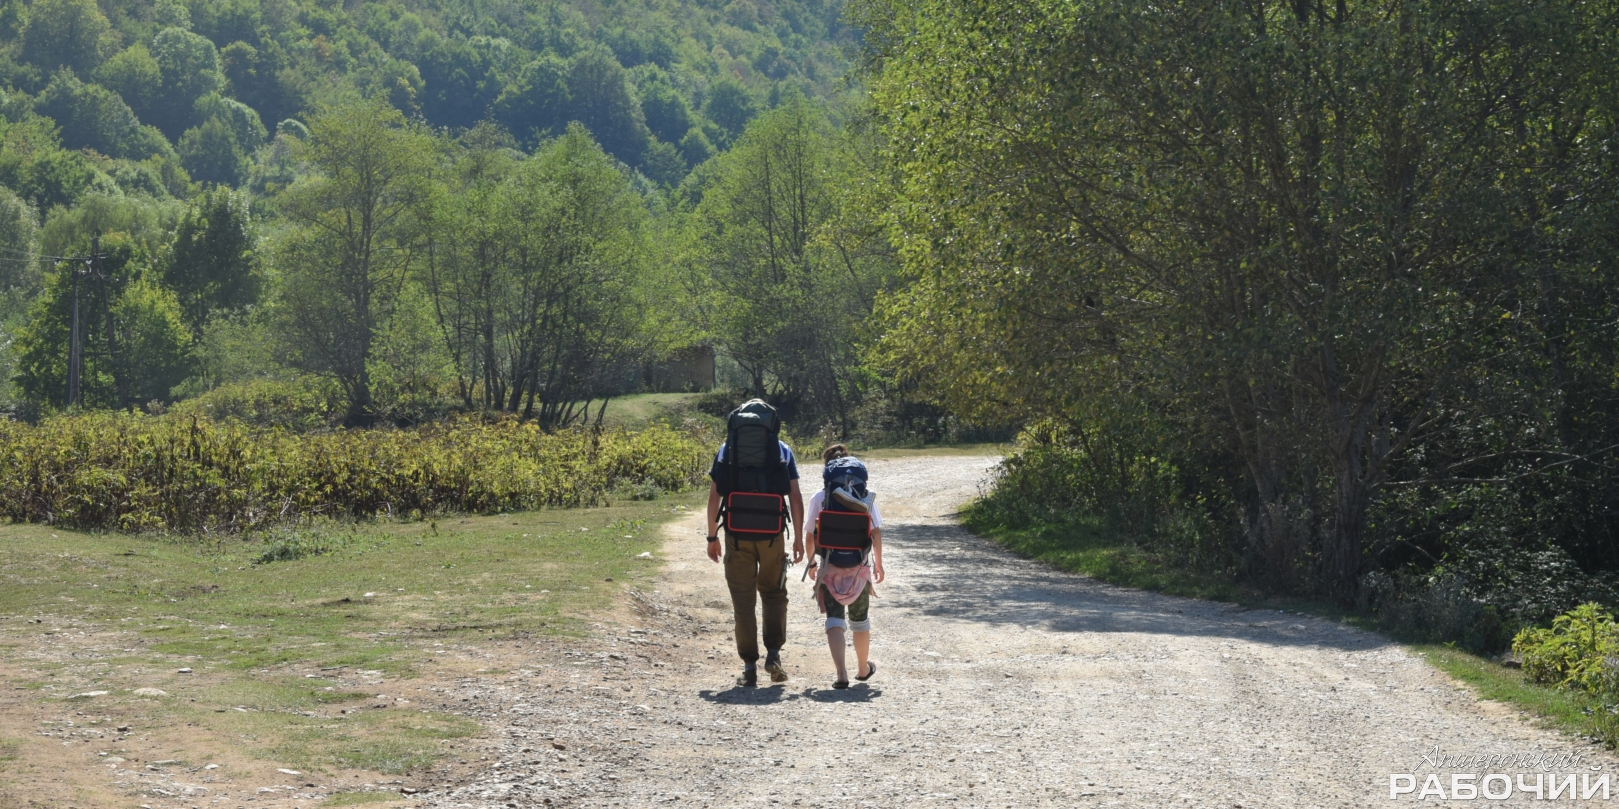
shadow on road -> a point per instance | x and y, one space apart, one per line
740 695
948 572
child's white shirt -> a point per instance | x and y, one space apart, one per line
818 499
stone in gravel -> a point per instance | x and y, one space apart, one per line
186 670
89 694
150 692
289 772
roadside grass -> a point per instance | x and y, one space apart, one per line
1089 547
1566 709
882 452
269 643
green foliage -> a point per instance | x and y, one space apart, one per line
66 33
146 221
1440 607
133 472
410 370
262 79
243 122
93 117
784 274
534 105
135 76
211 156
35 166
668 114
211 263
356 225
601 97
20 276
136 343
463 81
1579 650
153 341
189 66
454 62
730 106
1263 230
19 234
291 543
546 283
299 405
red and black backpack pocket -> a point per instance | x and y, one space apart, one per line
843 537
755 513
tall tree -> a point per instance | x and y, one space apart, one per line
189 65
211 263
602 98
1304 232
543 284
67 33
211 156
357 231
785 282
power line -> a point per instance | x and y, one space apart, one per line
36 255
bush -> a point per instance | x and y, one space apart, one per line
303 404
289 544
1060 472
1580 650
1434 608
124 471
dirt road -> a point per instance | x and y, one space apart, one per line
1001 683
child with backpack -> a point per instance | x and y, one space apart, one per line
754 490
846 557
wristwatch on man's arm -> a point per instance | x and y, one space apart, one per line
713 539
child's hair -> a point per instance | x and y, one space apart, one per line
834 452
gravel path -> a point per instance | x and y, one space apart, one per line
1001 683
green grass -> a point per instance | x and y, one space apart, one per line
932 450
1566 709
1092 548
378 597
638 411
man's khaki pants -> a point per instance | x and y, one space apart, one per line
757 564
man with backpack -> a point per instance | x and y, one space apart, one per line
752 493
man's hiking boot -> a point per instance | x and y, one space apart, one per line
773 665
748 678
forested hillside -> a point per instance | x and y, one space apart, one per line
175 90
307 212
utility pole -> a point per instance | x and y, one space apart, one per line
75 350
73 346
120 382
